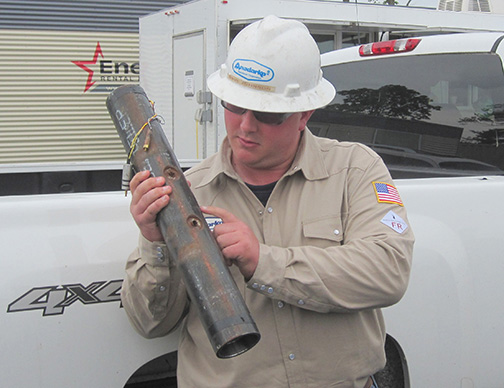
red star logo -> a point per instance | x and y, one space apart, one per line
82 65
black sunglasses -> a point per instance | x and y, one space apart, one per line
269 118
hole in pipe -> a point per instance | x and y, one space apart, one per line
194 222
171 173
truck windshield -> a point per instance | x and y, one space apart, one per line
426 116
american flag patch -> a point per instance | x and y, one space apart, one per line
386 193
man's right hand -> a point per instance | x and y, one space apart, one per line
149 196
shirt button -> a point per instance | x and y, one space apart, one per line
270 290
159 254
261 212
162 288
263 287
336 232
255 285
280 304
301 302
292 356
270 210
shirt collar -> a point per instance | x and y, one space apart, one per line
308 159
219 164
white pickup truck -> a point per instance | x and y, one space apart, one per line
432 107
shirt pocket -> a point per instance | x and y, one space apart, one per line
323 231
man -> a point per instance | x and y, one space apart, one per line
313 231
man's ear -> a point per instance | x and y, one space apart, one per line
305 116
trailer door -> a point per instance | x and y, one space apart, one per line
188 104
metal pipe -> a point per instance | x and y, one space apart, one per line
220 305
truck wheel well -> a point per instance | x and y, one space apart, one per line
157 373
395 374
162 371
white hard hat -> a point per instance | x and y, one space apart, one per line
273 65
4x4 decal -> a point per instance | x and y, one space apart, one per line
53 300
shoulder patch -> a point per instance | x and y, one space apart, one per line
387 193
395 222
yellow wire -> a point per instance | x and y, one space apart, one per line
197 139
135 139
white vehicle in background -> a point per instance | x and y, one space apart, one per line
433 108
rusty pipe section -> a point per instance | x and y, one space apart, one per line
221 308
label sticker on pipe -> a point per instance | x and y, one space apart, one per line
213 222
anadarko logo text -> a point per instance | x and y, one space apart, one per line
252 71
112 74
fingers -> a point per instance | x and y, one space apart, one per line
238 243
149 196
145 190
142 183
137 179
225 215
232 228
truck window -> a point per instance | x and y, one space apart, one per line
426 116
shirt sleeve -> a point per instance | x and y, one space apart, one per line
370 269
153 294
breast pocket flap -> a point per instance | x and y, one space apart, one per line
328 228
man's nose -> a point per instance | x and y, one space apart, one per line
249 123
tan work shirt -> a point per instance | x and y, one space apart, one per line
332 254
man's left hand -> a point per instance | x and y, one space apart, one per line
236 240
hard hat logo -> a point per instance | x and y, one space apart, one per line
251 70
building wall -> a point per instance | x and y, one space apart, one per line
487 6
59 60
